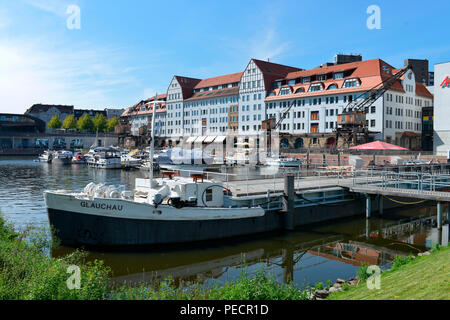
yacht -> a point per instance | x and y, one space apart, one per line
184 159
62 157
79 158
104 158
46 157
129 160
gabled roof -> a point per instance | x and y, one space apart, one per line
370 73
38 108
270 68
216 81
212 94
187 85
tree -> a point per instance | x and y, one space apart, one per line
69 122
100 123
112 123
54 123
85 123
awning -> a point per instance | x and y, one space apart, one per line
220 139
191 139
209 139
200 139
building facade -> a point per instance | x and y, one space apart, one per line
317 96
139 116
237 104
441 138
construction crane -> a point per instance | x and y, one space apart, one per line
352 125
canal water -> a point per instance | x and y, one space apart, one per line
313 254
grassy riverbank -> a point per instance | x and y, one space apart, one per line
420 278
28 273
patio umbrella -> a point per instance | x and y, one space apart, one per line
377 145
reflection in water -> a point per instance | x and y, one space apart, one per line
315 254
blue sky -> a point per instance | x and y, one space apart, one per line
128 50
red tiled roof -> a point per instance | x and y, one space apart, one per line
422 91
267 67
370 73
216 81
234 91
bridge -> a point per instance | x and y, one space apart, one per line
410 185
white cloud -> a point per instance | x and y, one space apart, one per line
82 76
57 7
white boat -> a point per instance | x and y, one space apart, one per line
128 161
62 157
167 212
283 162
184 159
104 158
156 212
46 157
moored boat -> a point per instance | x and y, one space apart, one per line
168 212
79 158
62 157
46 157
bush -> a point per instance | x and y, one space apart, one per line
400 261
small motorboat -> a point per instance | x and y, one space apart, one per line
79 158
62 157
46 157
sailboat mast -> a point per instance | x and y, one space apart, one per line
152 145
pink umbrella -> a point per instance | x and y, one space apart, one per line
377 145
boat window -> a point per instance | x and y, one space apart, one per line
209 195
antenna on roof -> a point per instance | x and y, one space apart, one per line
268 59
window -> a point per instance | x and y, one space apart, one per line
306 79
314 115
338 75
351 83
285 91
315 87
291 82
332 87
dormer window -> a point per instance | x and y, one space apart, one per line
338 75
285 91
291 82
332 87
351 83
315 87
306 79
322 77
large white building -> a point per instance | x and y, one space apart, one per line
236 104
441 138
320 94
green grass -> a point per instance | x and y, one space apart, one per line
27 272
422 278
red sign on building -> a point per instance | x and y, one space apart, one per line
446 82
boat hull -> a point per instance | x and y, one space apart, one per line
124 223
62 161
